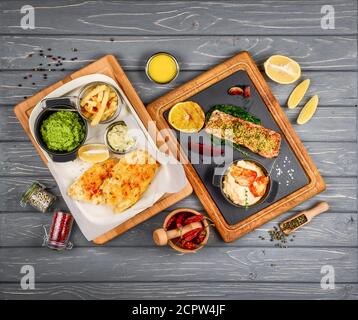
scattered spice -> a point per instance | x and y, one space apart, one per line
47 61
278 237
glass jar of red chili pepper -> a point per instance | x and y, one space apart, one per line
60 231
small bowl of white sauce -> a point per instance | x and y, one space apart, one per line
118 139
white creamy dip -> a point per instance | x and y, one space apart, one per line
237 193
119 139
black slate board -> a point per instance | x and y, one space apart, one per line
285 171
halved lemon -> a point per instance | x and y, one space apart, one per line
298 93
93 153
187 116
308 110
282 69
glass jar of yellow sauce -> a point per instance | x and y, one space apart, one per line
162 68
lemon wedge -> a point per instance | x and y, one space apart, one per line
282 69
93 153
298 93
187 116
308 110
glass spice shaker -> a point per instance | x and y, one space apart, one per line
38 197
59 236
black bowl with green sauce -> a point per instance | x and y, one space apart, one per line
60 132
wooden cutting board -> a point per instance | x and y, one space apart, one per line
108 65
209 81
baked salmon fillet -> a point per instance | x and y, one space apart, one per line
258 139
88 186
131 177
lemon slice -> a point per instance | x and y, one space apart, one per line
298 93
187 116
282 69
308 110
93 153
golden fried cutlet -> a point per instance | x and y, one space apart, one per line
131 177
88 186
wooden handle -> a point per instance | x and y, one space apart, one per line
161 237
310 213
316 210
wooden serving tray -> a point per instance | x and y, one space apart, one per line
108 65
210 81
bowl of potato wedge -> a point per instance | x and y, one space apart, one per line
99 102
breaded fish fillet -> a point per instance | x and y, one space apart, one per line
88 186
258 139
131 177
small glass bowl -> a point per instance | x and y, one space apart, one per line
153 56
86 88
109 128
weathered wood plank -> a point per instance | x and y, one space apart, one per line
334 88
181 291
341 194
164 264
194 53
331 229
331 158
183 17
329 124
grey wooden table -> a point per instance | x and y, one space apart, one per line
200 34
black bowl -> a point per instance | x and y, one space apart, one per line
218 181
51 106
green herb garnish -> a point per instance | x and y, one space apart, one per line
246 199
234 111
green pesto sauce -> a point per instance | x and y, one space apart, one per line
63 131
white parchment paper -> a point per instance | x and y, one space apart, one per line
94 220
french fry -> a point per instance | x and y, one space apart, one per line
97 118
92 93
87 114
100 96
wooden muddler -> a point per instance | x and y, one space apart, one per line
161 236
302 218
